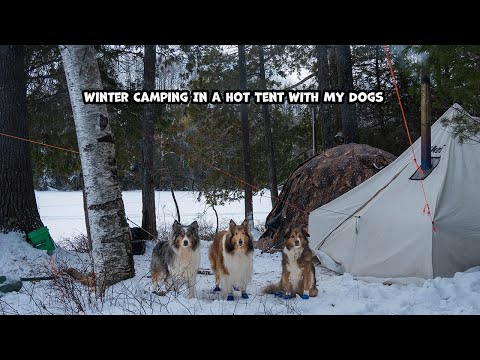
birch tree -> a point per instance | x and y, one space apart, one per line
111 240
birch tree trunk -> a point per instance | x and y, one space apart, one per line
111 240
268 132
18 207
245 137
148 189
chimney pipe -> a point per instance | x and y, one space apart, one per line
426 123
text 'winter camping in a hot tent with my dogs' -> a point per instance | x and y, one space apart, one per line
246 179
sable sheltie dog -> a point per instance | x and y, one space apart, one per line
231 259
298 271
175 262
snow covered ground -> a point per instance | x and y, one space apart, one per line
63 213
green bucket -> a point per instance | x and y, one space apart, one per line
41 239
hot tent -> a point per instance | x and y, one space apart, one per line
379 229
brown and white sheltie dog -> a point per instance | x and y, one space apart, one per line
175 262
298 271
231 259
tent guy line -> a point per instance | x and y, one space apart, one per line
197 158
253 186
392 73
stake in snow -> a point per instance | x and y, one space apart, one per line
112 249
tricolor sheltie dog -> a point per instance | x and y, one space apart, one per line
175 262
298 271
231 259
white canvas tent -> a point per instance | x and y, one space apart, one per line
378 229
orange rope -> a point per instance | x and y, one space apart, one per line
242 181
39 143
408 134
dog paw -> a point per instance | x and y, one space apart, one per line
287 296
230 297
305 296
216 289
244 295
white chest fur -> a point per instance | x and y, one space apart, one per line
296 274
239 265
186 263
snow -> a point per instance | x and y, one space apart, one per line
62 212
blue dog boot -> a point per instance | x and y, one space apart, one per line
278 293
287 296
305 296
230 297
244 295
216 288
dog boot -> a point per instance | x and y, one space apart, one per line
305 296
278 293
287 296
216 288
244 295
230 297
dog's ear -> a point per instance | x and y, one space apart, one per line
245 224
176 225
194 225
231 226
305 232
286 233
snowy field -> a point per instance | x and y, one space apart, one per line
62 212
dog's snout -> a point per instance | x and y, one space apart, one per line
240 242
297 242
185 242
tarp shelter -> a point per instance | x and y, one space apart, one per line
379 229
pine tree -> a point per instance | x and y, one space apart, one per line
18 207
268 131
345 83
245 137
148 190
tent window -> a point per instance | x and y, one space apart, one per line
418 175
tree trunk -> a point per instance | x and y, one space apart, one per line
245 137
18 206
378 87
335 111
324 113
111 240
148 189
345 83
85 211
268 132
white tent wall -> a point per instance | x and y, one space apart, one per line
392 237
456 244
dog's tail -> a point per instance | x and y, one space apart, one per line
313 292
272 288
